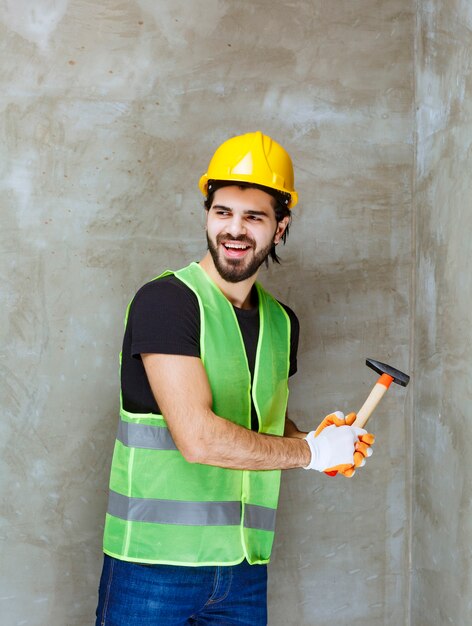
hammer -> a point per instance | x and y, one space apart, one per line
388 375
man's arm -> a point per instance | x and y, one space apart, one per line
291 429
182 391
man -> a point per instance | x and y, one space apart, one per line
203 432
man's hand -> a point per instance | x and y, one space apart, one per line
337 418
362 442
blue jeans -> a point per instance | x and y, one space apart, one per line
167 595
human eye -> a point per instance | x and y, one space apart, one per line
221 211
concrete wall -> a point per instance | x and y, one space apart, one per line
110 112
442 574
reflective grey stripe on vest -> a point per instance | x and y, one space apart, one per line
259 517
174 511
145 436
189 513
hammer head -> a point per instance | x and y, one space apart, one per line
382 368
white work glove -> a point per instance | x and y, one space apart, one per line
333 448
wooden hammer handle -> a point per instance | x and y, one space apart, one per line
370 404
372 401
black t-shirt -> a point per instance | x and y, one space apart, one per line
164 318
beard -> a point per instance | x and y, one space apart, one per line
237 270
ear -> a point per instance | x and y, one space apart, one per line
281 226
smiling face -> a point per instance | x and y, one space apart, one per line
241 229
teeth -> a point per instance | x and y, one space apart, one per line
235 246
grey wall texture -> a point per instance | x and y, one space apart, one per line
109 114
442 538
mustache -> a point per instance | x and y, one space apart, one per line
240 238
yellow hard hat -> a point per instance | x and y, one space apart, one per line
252 158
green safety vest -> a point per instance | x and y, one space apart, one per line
163 509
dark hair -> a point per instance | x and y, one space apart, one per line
280 206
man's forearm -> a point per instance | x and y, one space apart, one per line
228 445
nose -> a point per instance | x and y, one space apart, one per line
236 226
